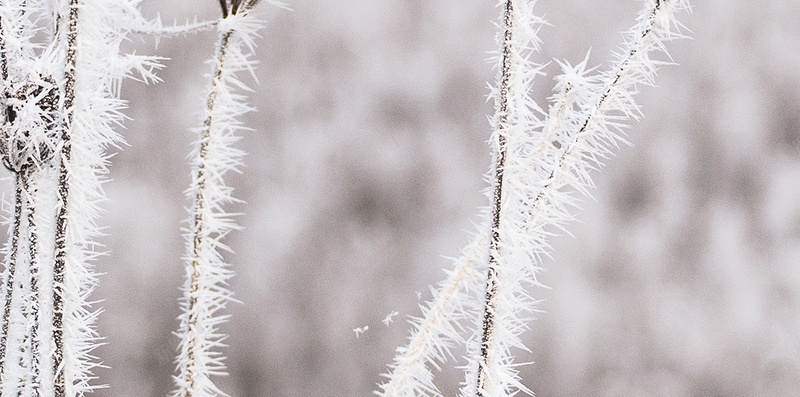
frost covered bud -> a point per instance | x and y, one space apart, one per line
28 135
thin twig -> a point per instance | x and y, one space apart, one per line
11 268
489 314
197 230
59 267
189 28
33 304
29 359
596 110
436 316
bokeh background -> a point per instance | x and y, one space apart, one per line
365 169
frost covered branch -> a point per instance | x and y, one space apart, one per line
538 164
59 107
205 291
157 28
438 329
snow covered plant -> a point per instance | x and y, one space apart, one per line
540 159
61 66
205 291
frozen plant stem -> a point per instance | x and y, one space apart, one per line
596 115
163 31
207 273
60 105
537 165
32 306
199 205
26 301
29 359
437 329
11 268
497 199
10 264
59 267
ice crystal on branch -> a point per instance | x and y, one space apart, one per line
60 106
540 160
207 273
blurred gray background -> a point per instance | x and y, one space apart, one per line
365 169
